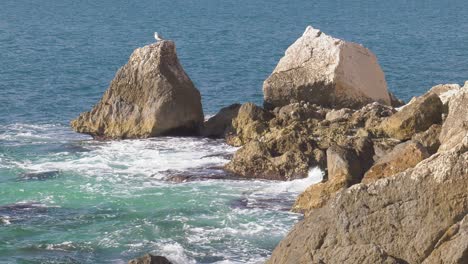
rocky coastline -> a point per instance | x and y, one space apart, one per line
396 175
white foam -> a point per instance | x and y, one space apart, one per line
315 175
148 157
175 253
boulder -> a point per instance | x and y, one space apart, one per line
326 71
455 127
343 170
150 259
402 157
220 125
250 124
254 160
281 155
150 96
371 116
417 216
445 91
429 139
415 117
343 164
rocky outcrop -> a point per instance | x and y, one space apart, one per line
455 127
403 156
250 123
150 259
220 125
417 216
326 71
284 155
150 96
416 116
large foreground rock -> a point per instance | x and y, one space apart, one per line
327 71
417 216
150 96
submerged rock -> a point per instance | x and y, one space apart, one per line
416 116
417 216
150 96
326 71
150 259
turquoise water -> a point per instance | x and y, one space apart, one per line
65 198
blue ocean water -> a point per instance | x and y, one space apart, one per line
65 198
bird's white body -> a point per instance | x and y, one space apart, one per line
157 36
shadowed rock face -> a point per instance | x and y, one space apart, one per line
417 216
326 71
416 116
150 96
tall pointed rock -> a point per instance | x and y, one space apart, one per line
149 96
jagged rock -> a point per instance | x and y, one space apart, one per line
298 112
402 157
364 149
250 124
150 259
394 101
429 138
219 125
455 127
254 160
345 166
445 91
371 116
326 71
338 115
383 146
415 117
281 155
408 218
150 96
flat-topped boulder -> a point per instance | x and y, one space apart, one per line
326 71
149 96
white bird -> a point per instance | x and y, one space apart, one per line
158 37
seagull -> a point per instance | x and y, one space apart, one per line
158 37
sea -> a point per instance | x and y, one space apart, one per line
66 198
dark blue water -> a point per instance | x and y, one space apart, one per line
65 198
57 57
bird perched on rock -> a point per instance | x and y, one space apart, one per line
158 37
